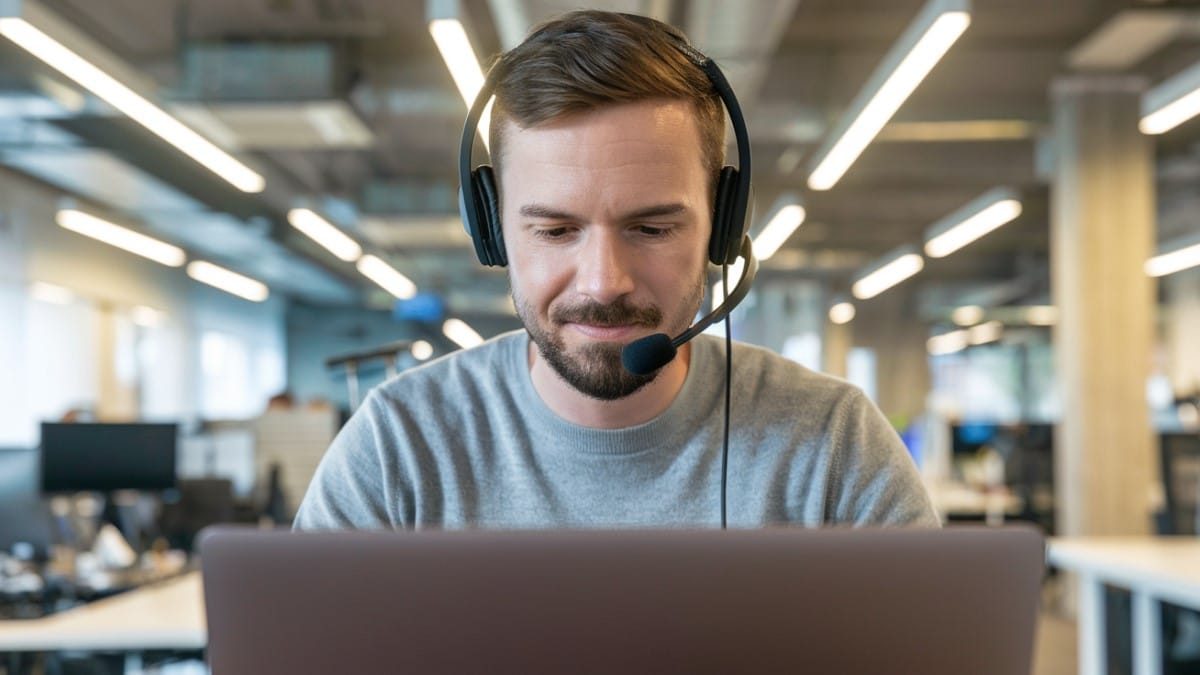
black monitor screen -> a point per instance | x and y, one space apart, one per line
107 457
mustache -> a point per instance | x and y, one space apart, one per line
619 313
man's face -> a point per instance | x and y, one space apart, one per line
606 220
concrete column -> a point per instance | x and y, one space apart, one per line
886 324
835 348
1102 232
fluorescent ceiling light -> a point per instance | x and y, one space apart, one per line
461 334
985 332
1180 258
900 266
147 317
947 343
55 295
123 238
230 282
325 233
842 313
1042 315
782 225
967 315
422 350
139 109
456 50
922 45
979 217
387 277
1171 103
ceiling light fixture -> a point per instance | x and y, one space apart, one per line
387 277
979 217
842 313
789 216
967 315
448 33
920 47
325 233
985 332
422 350
897 266
1173 102
120 237
1177 255
947 343
1042 315
42 34
461 334
228 281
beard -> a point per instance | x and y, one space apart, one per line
595 369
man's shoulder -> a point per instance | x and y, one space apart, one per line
775 374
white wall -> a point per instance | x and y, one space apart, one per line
53 357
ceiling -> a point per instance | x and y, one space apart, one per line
346 105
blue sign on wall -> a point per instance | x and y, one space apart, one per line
423 307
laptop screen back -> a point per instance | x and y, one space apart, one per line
764 601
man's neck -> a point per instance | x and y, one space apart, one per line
639 407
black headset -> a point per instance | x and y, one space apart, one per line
479 200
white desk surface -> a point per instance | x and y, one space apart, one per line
165 615
1166 567
950 497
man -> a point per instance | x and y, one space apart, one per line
607 140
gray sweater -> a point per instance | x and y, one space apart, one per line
465 441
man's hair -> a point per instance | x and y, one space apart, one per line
590 59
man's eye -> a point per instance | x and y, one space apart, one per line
553 232
652 231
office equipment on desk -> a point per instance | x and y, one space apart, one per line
1180 454
1153 569
200 502
115 460
107 457
937 602
24 516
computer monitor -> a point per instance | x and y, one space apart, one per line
24 515
969 437
1180 465
108 457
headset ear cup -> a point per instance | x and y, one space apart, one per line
487 198
726 234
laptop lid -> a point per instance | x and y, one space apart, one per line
937 602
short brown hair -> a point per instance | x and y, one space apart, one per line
587 59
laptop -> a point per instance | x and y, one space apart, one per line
936 602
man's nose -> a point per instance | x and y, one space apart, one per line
603 269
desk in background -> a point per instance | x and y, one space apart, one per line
165 615
1153 569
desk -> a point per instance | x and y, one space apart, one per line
165 615
959 498
1154 569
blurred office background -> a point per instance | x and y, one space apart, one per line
293 164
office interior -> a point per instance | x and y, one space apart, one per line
222 223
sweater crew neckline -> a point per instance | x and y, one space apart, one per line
685 412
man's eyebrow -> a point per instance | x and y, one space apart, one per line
543 211
656 211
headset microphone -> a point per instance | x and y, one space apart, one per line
646 355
